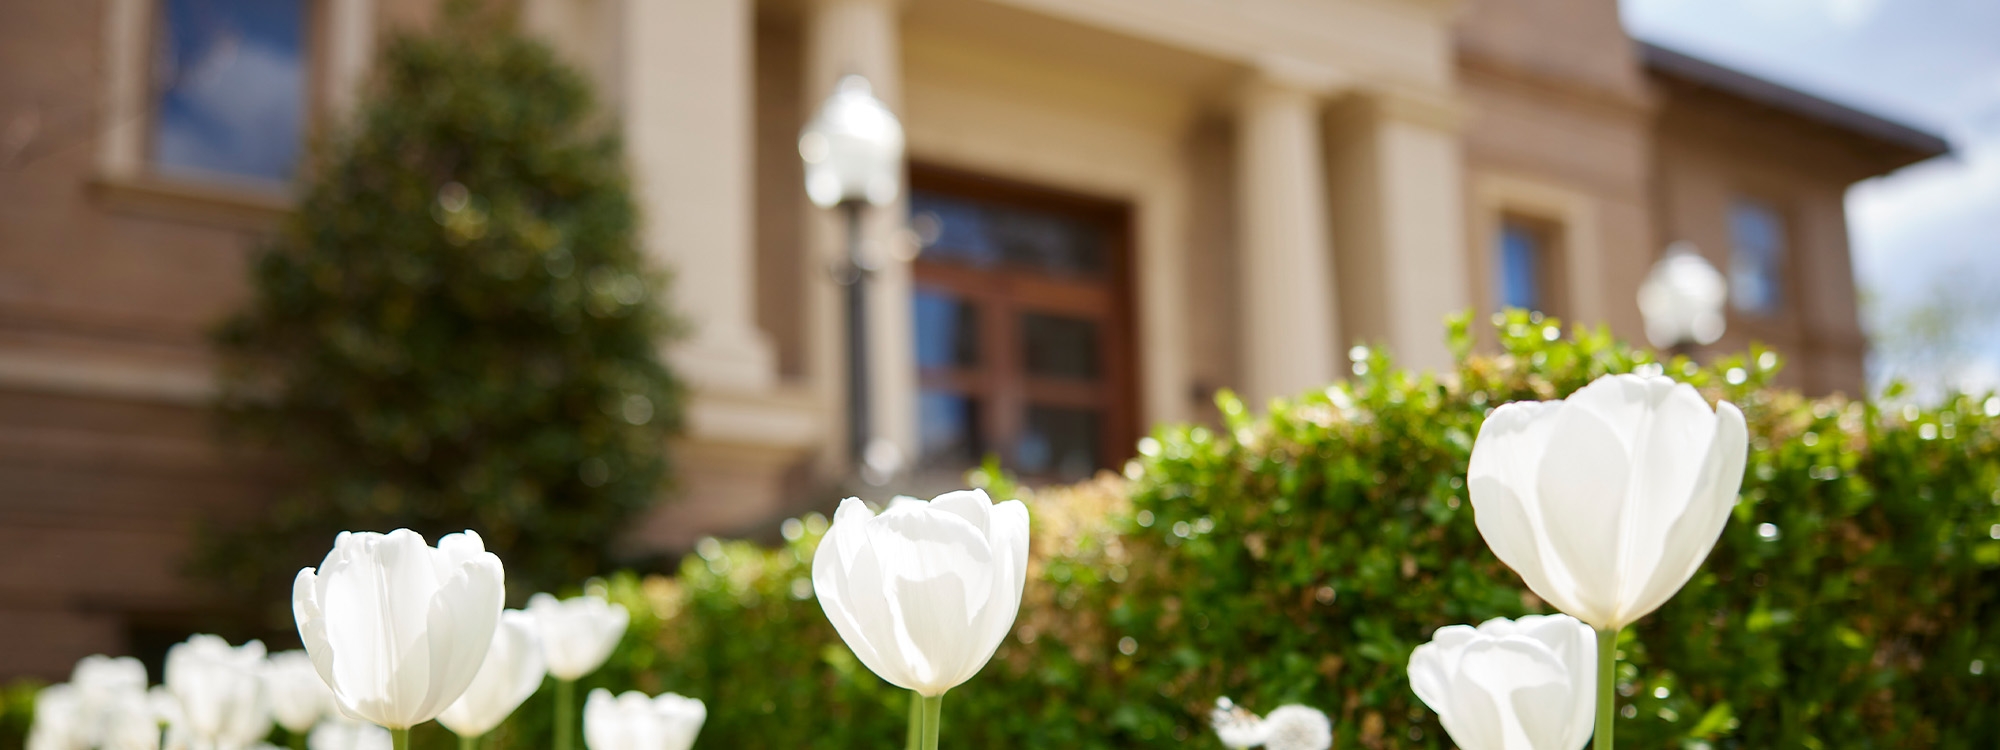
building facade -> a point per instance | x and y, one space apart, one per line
1114 209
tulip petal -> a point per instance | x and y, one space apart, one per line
972 505
1668 445
1694 533
1430 670
1509 449
940 578
1582 485
1008 537
848 581
463 614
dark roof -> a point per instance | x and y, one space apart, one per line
1706 74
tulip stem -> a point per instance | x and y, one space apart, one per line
468 743
1607 687
916 721
295 740
400 738
565 714
933 706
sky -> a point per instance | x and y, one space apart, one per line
1930 233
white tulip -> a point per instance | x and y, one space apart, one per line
1511 685
925 592
131 724
339 733
101 682
1607 502
396 628
59 722
577 634
1297 727
513 670
633 721
220 692
299 697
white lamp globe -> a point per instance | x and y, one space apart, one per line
853 148
1682 298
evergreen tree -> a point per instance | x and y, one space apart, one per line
456 329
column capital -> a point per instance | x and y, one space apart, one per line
1291 74
1426 107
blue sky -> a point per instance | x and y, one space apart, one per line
1929 230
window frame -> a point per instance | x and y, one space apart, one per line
1551 272
1781 267
336 49
998 383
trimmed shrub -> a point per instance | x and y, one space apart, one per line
1300 555
457 328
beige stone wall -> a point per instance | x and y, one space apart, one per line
1709 150
1559 132
106 450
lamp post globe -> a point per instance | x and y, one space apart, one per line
853 148
1682 299
853 153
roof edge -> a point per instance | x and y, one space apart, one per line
1680 65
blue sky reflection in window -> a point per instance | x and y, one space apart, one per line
1756 256
1523 252
231 81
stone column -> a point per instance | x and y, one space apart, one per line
1287 272
350 48
688 101
861 37
1399 212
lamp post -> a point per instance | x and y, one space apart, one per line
853 152
1682 299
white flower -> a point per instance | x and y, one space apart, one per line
1287 727
101 682
1606 503
130 723
633 721
1296 727
925 592
59 721
338 733
1236 727
219 690
396 628
513 671
299 697
577 634
1511 685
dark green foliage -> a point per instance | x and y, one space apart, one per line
456 329
1301 556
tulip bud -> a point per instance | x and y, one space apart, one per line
397 628
1510 685
299 698
633 721
925 592
130 723
220 691
577 634
59 723
513 671
1607 502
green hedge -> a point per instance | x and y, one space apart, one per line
1301 555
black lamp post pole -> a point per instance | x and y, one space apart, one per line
855 278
